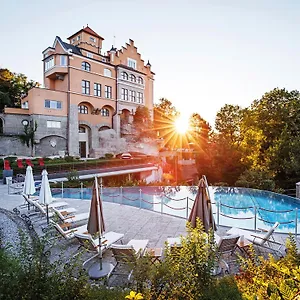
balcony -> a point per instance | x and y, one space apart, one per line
57 72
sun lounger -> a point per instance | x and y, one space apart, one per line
66 232
125 254
92 244
259 239
67 218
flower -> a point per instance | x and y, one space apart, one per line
134 296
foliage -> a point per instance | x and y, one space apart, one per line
271 279
27 138
256 179
164 116
13 87
142 123
31 275
108 155
69 158
73 176
185 272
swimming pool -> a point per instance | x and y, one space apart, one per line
242 207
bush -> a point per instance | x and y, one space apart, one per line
31 275
69 158
271 279
73 176
109 155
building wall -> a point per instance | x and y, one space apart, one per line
64 84
11 145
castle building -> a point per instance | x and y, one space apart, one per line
86 90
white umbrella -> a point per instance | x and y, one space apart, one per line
29 185
45 192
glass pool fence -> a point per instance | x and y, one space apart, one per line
234 207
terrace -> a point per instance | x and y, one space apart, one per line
133 222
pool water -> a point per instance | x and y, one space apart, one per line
240 207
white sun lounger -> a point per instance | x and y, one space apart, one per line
69 233
259 239
69 218
107 239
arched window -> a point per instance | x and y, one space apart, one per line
132 78
81 129
102 128
107 72
85 66
104 112
82 109
124 76
140 80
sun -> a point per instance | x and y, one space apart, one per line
181 125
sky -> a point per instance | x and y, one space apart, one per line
205 53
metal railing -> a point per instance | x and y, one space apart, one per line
179 207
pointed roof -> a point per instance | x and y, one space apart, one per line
88 30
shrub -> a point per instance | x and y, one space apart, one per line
69 158
184 273
109 155
73 175
31 275
271 279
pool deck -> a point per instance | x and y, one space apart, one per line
134 223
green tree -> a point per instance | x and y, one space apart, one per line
228 121
164 117
142 122
13 87
27 138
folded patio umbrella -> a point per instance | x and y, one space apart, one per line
202 207
29 185
96 226
45 196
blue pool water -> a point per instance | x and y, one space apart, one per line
241 207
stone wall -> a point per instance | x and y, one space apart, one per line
50 145
11 145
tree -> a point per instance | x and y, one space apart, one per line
27 138
164 116
143 123
228 121
271 134
14 87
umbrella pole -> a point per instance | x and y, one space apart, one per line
105 268
47 210
99 221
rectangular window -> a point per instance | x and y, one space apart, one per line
53 124
92 39
140 97
90 55
53 104
25 105
49 63
108 91
131 63
78 37
85 87
63 60
97 89
124 95
132 96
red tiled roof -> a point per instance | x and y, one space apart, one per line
88 30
